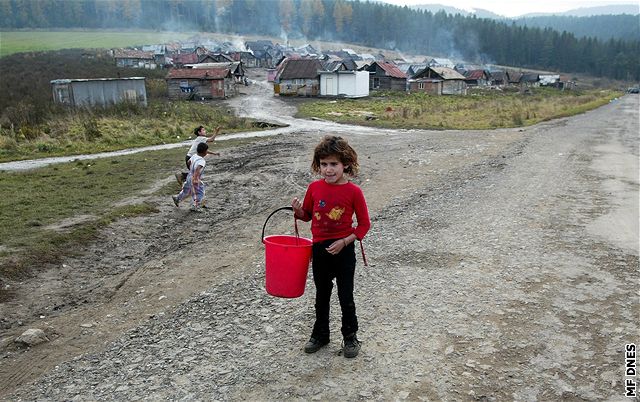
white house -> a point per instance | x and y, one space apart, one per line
348 84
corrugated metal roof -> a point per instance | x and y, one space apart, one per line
391 69
199 73
68 80
132 54
185 58
474 75
300 68
447 73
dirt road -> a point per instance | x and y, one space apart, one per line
504 266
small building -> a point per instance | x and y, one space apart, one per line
348 84
201 83
475 78
429 86
102 92
498 78
441 62
131 58
298 77
384 75
452 81
236 68
248 59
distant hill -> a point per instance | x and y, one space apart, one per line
578 12
604 22
589 11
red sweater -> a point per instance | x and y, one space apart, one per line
330 209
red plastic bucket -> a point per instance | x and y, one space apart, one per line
286 262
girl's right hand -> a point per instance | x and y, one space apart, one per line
296 204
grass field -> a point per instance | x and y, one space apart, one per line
95 191
480 110
31 41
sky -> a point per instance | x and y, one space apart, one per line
514 8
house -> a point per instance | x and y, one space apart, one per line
99 91
431 86
514 77
476 78
258 45
214 58
298 77
411 69
340 65
384 75
440 62
181 59
201 83
136 59
342 83
452 82
498 78
236 68
529 80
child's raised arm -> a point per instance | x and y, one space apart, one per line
215 134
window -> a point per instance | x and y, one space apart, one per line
421 85
376 83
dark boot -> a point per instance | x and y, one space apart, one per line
351 346
313 345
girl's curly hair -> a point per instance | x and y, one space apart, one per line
332 145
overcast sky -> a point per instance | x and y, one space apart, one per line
514 8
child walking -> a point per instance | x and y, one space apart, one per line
201 136
330 204
194 185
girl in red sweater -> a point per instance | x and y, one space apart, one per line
330 204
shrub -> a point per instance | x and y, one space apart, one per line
91 130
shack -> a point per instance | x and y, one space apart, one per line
348 84
201 83
102 92
384 75
298 77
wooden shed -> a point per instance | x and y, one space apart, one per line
201 83
298 77
384 75
99 91
137 59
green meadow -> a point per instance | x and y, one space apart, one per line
32 41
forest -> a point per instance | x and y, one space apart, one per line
365 23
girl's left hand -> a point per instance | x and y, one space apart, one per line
336 247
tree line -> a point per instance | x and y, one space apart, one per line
364 23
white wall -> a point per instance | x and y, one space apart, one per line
351 84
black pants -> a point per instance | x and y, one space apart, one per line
341 267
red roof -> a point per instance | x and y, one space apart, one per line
199 73
474 75
185 58
391 69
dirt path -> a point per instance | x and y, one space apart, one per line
504 266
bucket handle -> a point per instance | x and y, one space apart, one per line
295 222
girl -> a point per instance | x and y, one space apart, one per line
330 204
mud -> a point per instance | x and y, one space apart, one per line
503 266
